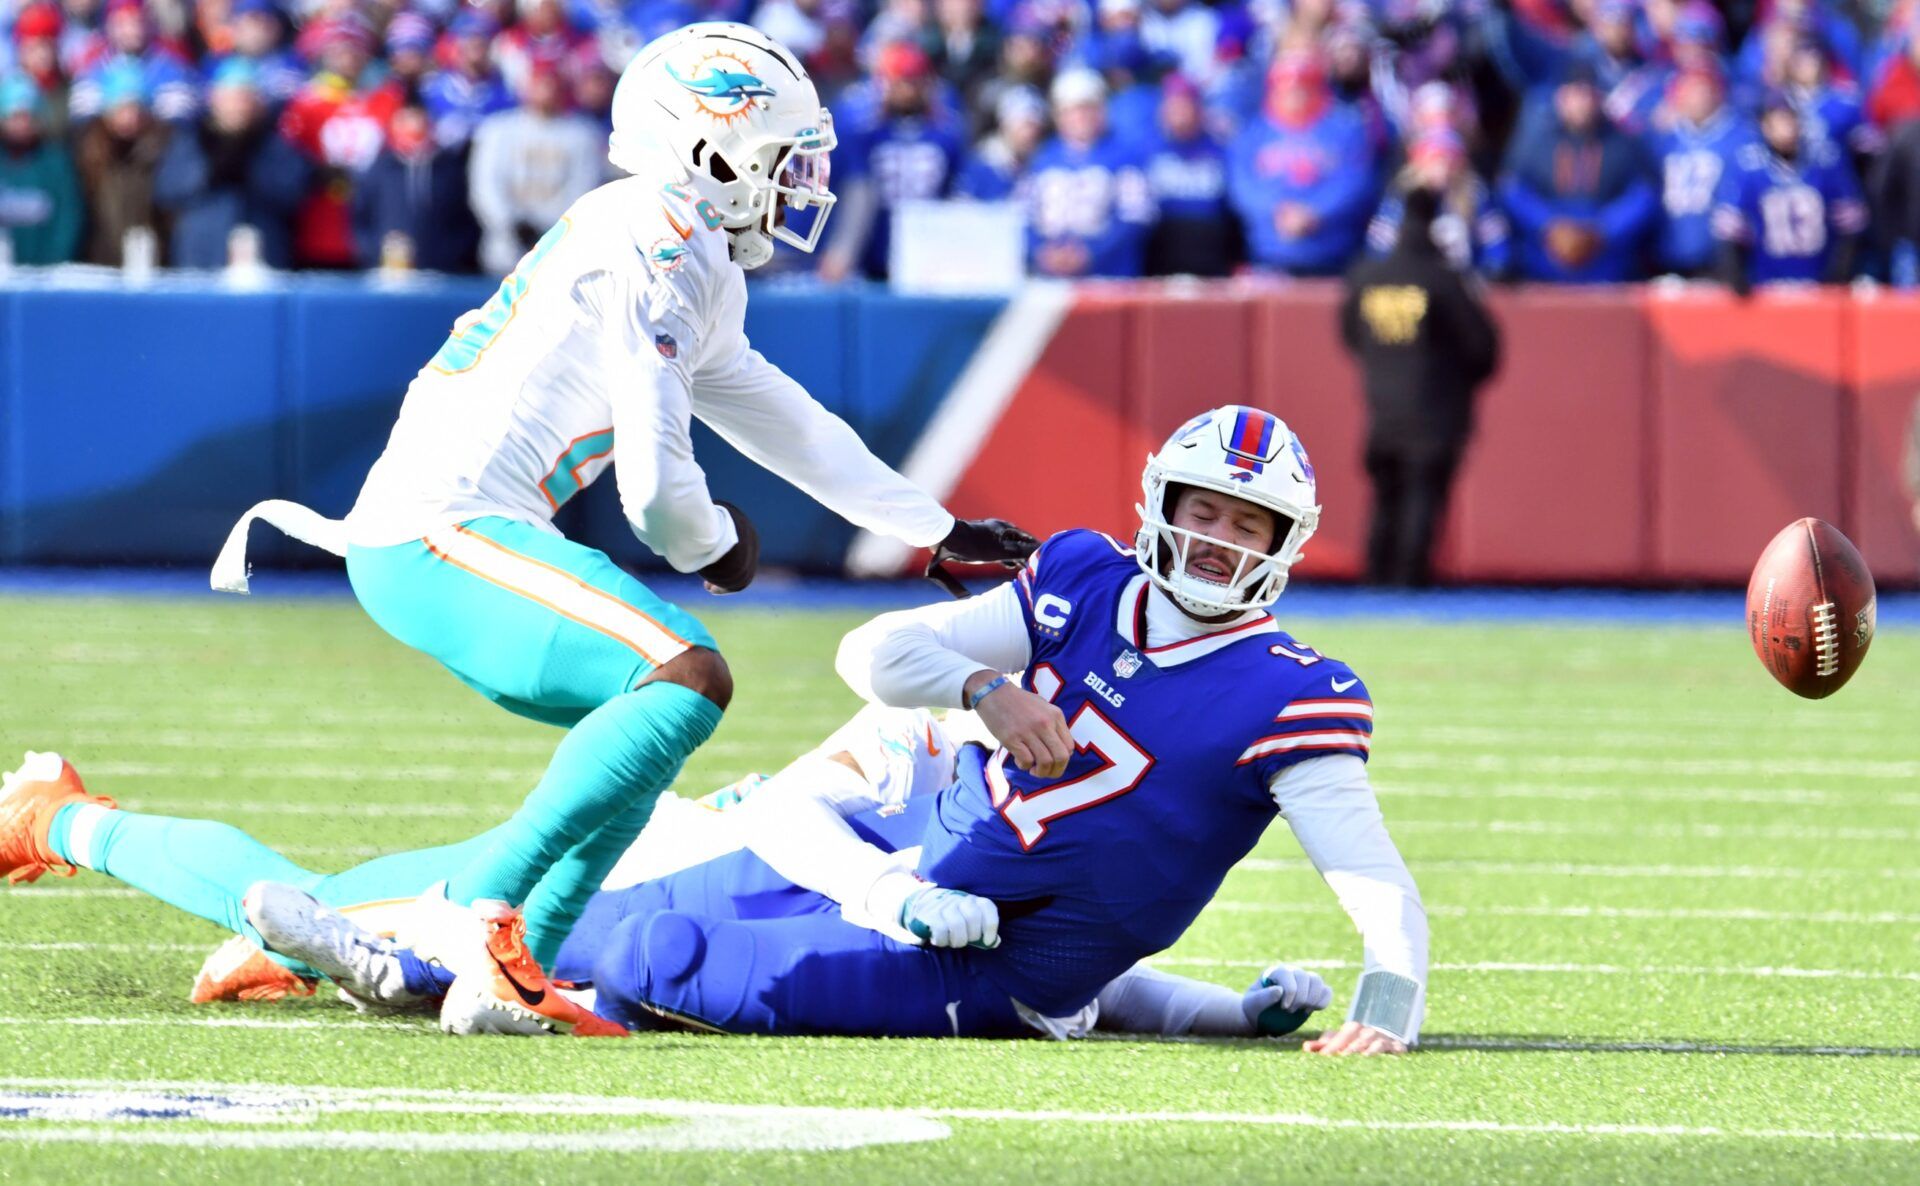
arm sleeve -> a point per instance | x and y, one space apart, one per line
663 490
1529 211
772 420
921 658
1625 218
797 824
1143 1000
1331 808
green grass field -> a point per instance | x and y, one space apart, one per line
1676 935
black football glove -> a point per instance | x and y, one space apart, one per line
735 568
978 541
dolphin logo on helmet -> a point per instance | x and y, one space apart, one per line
722 91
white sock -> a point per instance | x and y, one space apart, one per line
81 828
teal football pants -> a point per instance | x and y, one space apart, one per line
555 631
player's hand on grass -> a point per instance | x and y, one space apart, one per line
950 918
1031 728
1355 1038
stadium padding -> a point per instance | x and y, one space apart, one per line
1886 394
1747 428
139 423
1557 482
1633 435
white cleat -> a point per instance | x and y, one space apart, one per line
440 932
365 966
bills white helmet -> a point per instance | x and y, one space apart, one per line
726 111
1248 454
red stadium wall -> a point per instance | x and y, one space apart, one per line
1631 435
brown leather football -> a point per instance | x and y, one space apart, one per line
1810 608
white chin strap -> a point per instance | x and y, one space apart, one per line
749 246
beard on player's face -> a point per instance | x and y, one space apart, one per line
1217 519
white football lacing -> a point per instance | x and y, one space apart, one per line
1826 639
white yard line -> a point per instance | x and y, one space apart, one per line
1614 1046
1576 869
1498 966
1645 913
1852 769
200 808
1526 827
1391 788
471 740
116 948
736 1125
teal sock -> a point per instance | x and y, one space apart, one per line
200 866
557 901
399 874
612 765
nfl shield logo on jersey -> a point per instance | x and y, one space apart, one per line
1126 664
665 344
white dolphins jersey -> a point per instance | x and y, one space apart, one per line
622 323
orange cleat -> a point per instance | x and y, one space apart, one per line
509 993
29 799
239 971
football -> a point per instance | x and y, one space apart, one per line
1810 608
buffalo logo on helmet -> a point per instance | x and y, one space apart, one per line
723 86
1251 442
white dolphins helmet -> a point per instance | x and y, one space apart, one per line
728 112
1246 453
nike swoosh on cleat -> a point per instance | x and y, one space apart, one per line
933 751
1341 687
532 999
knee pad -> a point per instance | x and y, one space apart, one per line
687 967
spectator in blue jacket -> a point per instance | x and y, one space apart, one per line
1693 145
410 207
998 166
1197 234
904 150
470 89
231 168
1790 209
1088 206
1576 191
173 91
1830 108
1303 176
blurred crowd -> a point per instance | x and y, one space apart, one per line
1750 141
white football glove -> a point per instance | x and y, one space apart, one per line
1278 1001
949 918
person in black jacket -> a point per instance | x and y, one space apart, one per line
1424 343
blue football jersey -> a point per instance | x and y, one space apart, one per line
1167 789
1789 213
